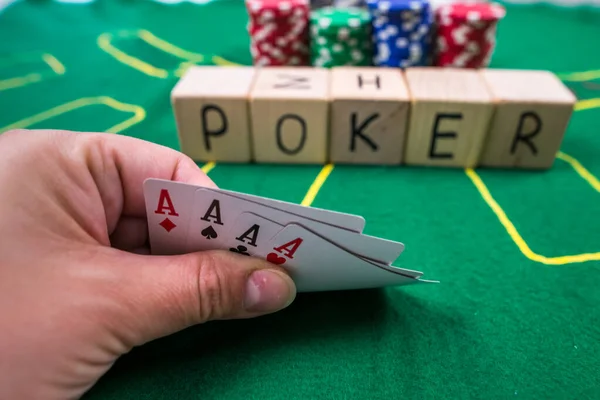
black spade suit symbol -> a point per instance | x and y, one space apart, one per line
209 233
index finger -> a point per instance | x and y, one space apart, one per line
121 164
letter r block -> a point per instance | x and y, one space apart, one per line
369 115
450 115
532 114
211 110
290 110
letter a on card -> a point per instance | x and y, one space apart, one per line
287 249
168 210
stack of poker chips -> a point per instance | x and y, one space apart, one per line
401 32
340 36
466 34
279 32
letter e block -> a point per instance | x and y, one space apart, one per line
369 115
290 110
450 115
212 114
533 109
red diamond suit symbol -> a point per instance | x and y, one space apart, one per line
168 224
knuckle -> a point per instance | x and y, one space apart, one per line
214 300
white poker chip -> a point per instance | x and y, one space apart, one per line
415 5
343 33
324 22
261 61
442 44
277 53
473 16
354 22
401 42
391 30
473 47
254 5
380 21
357 55
383 52
383 5
284 6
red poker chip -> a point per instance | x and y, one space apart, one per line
269 10
296 29
267 60
466 34
294 48
473 11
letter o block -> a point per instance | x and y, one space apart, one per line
369 115
532 114
290 107
211 110
450 115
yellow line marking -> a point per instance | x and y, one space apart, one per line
53 62
580 76
206 168
12 83
316 185
33 77
138 113
106 42
512 231
221 61
581 170
587 104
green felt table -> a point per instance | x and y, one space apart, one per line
517 253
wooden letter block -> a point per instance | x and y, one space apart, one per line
450 115
290 109
211 109
369 115
533 109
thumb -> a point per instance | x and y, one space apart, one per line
165 294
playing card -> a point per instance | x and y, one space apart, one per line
251 235
168 210
318 265
350 222
214 214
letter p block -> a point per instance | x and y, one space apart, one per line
450 116
211 110
290 109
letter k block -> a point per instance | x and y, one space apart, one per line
369 115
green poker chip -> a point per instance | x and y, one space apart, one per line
340 37
329 19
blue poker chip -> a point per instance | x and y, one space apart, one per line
401 32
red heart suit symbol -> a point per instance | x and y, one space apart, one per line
275 259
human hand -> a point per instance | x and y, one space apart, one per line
77 286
